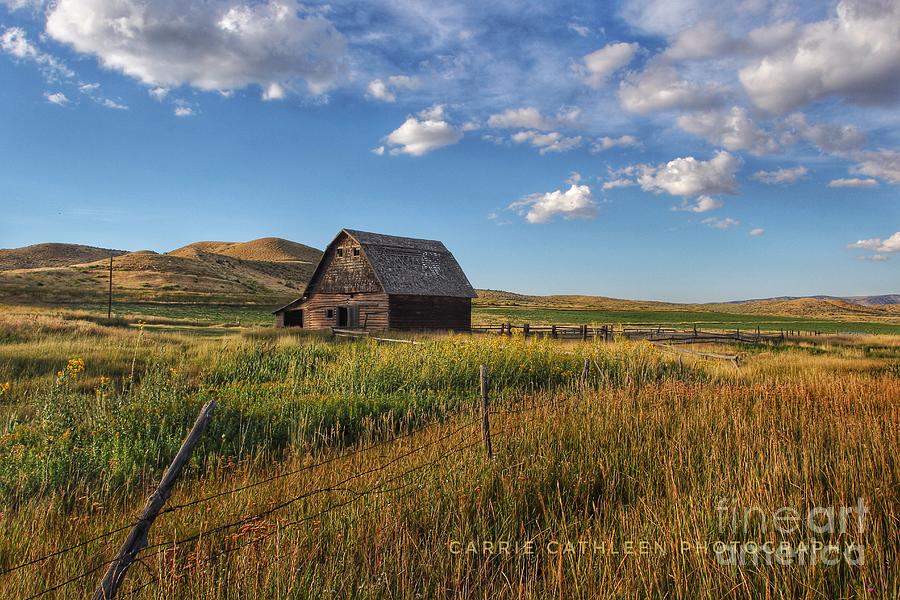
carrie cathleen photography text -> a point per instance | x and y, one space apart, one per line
449 300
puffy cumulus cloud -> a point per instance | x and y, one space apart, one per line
854 55
386 89
14 41
420 134
57 98
720 222
757 231
827 137
701 205
853 182
660 87
606 142
575 203
701 41
552 141
210 46
184 111
596 67
884 164
781 176
529 117
705 40
891 244
691 177
159 93
732 129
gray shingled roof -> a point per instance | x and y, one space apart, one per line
412 266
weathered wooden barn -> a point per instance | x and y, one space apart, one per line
378 282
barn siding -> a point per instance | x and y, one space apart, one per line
373 310
344 275
430 312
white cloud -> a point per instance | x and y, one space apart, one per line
705 40
575 203
423 133
779 176
853 182
873 258
386 89
691 177
701 205
14 41
19 4
159 93
720 223
581 30
597 66
827 137
884 164
661 88
732 129
552 141
530 117
891 244
184 111
854 55
274 91
757 231
57 98
701 41
618 182
88 88
378 151
112 104
210 46
606 142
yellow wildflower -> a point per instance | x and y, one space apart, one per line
4 387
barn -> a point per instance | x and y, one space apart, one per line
377 282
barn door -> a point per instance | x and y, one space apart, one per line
354 316
343 316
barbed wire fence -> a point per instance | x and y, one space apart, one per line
472 432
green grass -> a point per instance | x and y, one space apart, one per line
187 314
678 319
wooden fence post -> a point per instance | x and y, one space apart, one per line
553 331
137 538
584 330
525 330
485 420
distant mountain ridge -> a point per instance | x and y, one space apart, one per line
876 300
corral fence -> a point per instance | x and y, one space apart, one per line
652 333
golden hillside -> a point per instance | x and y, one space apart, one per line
51 255
269 271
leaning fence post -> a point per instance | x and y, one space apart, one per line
137 538
485 421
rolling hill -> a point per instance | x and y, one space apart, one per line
263 271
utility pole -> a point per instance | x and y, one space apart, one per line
109 300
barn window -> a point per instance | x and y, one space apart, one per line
355 250
329 313
340 253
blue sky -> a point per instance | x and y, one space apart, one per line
684 150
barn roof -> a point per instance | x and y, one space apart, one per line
411 266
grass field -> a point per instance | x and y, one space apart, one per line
356 470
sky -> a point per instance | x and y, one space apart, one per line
680 150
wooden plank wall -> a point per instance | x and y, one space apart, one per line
373 310
430 312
